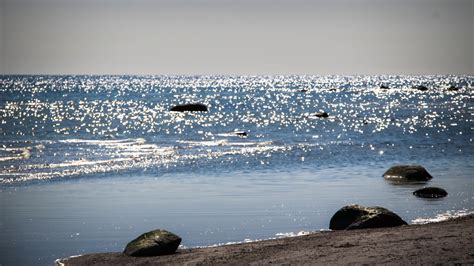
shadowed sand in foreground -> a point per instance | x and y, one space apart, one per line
450 241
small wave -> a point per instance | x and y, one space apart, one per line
442 217
233 134
83 167
84 162
208 143
18 153
120 155
106 142
248 240
61 262
248 150
10 158
16 149
293 234
223 142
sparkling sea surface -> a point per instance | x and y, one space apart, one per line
88 163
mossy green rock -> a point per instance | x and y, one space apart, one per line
360 217
153 243
406 173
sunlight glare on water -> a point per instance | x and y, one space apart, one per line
88 125
101 159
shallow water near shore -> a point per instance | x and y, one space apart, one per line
87 163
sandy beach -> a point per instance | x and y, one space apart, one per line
443 242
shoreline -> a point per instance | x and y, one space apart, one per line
449 241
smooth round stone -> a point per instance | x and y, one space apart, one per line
430 192
407 173
153 243
360 217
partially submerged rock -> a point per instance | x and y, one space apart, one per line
453 88
321 114
360 217
420 88
191 107
407 173
430 192
153 243
241 133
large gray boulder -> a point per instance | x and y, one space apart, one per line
191 107
153 243
360 217
407 173
430 192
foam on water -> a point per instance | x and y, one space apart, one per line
248 240
118 155
292 234
442 216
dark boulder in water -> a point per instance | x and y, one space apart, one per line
241 133
407 173
192 107
453 88
360 217
153 243
430 192
321 114
420 88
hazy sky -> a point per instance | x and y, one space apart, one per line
237 36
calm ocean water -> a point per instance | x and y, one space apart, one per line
87 163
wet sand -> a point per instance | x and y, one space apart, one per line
449 241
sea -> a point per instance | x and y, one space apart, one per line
88 163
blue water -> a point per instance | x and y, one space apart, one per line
87 163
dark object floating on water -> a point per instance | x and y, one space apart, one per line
303 90
241 133
192 107
321 114
420 88
430 192
407 173
384 87
153 243
453 88
360 217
